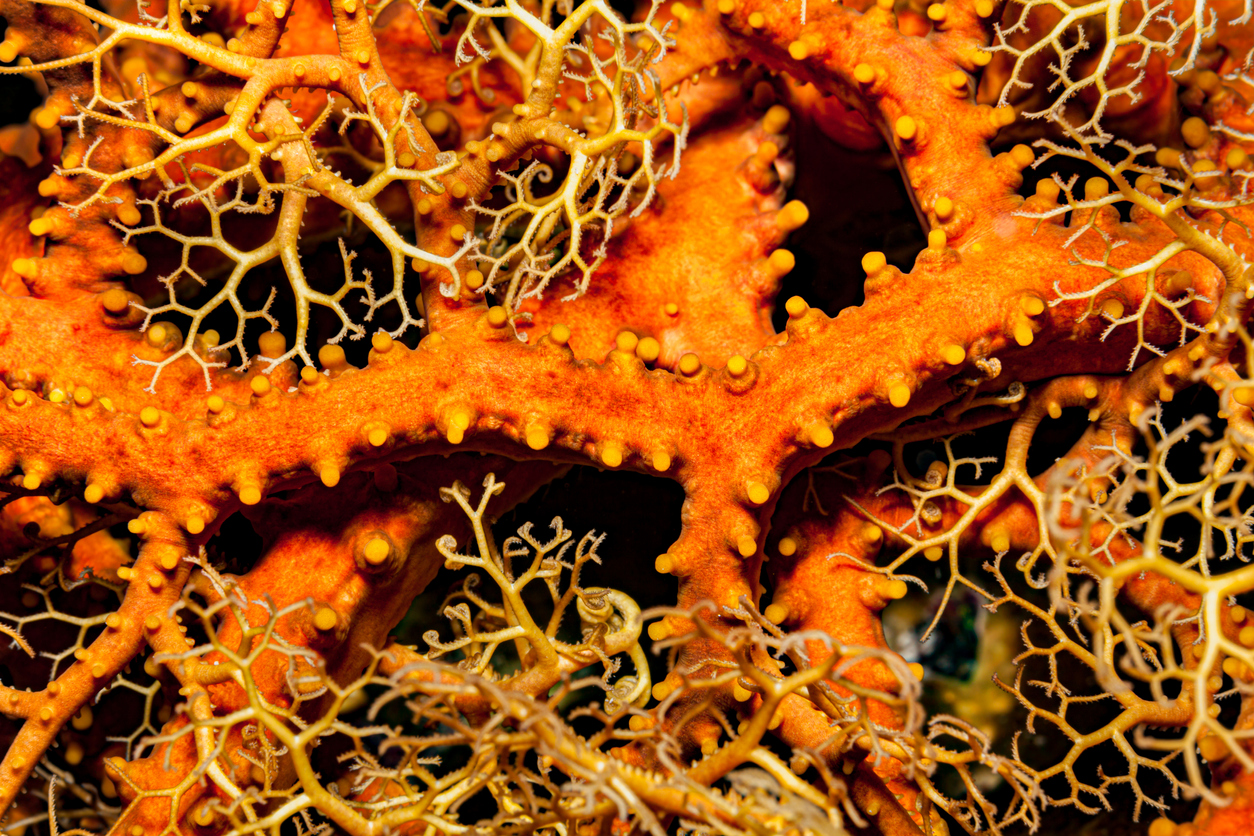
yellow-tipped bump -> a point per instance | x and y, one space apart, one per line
781 263
796 307
330 476
260 385
689 364
777 118
899 395
864 74
648 349
537 438
746 545
1024 334
873 262
821 435
93 494
149 416
792 216
1195 132
497 317
664 564
376 551
776 613
906 128
250 495
758 493
559 334
326 619
999 542
737 365
787 546
953 354
661 461
1032 305
937 239
612 454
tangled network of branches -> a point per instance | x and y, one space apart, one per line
936 313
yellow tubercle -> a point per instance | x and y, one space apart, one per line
497 317
899 395
648 349
612 454
787 546
376 551
873 262
781 263
758 493
821 435
326 619
746 545
906 128
330 475
796 307
776 613
664 564
777 118
1032 305
537 437
953 354
792 215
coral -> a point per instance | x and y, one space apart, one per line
356 278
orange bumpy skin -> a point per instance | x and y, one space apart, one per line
563 228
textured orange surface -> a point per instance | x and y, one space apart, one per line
669 364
